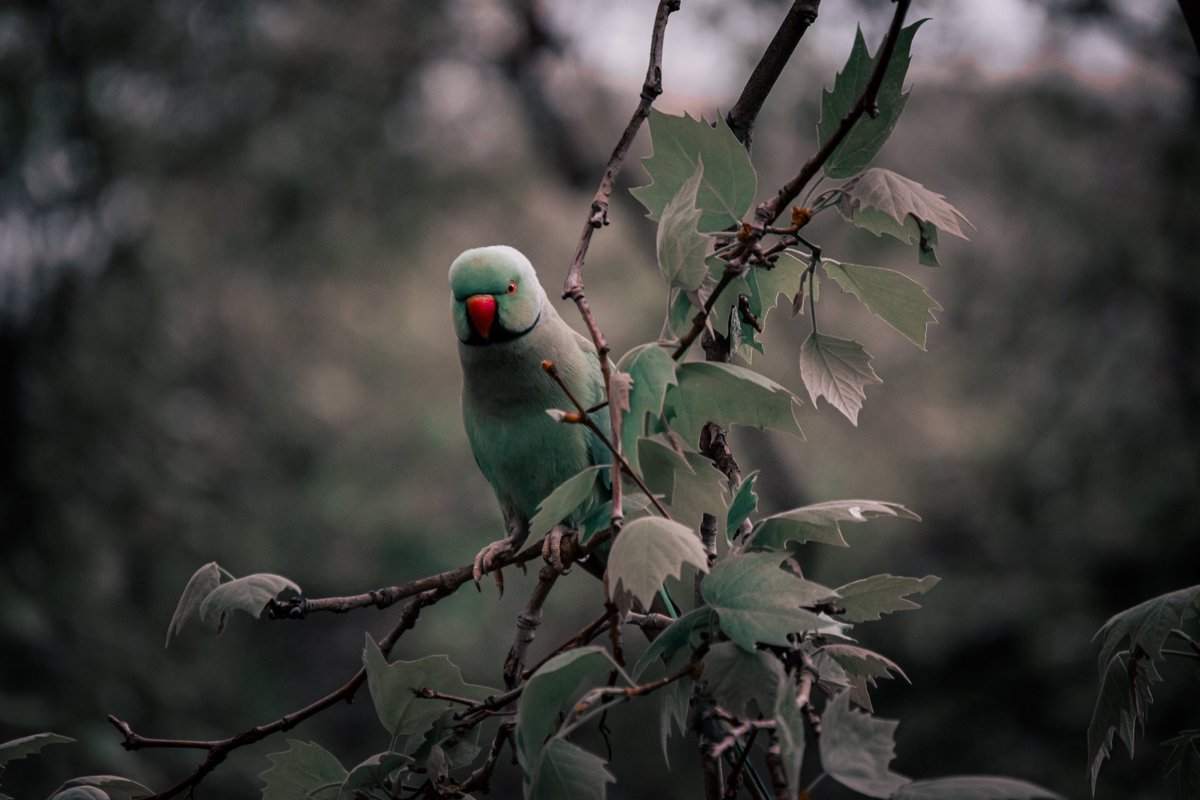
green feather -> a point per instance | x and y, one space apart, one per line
522 451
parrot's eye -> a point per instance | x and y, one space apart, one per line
512 288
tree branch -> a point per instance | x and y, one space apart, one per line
741 117
573 285
767 212
218 750
527 624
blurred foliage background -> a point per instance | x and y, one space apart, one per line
224 233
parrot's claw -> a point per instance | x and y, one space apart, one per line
558 548
486 560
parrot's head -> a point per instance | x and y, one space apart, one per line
497 297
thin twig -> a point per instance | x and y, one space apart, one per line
733 782
585 419
450 581
1179 633
597 217
779 783
578 639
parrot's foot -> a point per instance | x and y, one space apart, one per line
486 560
559 548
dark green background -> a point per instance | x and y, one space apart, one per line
224 335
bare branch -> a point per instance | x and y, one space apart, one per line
741 117
573 286
218 750
527 624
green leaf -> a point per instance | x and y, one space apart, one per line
15 749
820 522
392 685
882 202
653 371
856 749
869 133
757 601
675 702
565 500
559 682
250 594
198 587
648 550
789 728
680 634
1185 758
567 771
727 394
862 667
761 287
371 773
300 771
1121 706
689 484
838 370
973 787
1146 625
112 787
738 678
679 144
680 246
867 599
892 296
743 505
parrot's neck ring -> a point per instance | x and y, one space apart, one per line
501 334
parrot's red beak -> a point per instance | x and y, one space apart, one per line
481 308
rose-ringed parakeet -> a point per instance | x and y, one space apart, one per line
506 328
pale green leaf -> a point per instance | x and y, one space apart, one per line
862 667
680 246
114 787
867 599
15 749
249 594
566 771
742 506
820 522
882 202
838 370
757 601
679 144
1146 625
198 587
789 729
653 371
727 394
892 296
856 749
649 550
675 703
682 632
300 771
743 682
560 681
391 686
371 773
973 787
689 484
761 286
1120 707
869 133
566 499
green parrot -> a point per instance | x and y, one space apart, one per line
506 328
